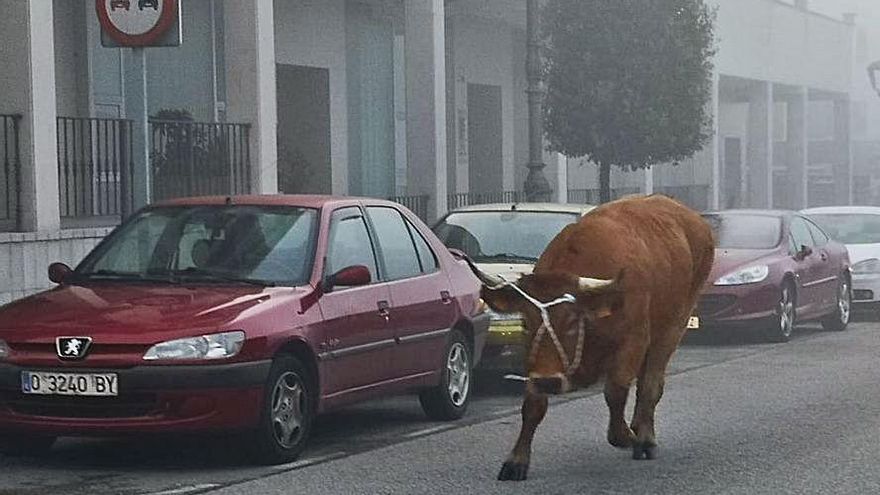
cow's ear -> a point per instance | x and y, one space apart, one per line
503 299
602 305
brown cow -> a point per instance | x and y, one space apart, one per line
647 259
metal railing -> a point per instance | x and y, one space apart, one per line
94 169
199 158
417 204
10 175
591 196
458 200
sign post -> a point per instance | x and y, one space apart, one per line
138 24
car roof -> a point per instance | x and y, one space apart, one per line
755 211
865 210
532 207
300 200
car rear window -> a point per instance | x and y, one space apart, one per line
850 228
745 231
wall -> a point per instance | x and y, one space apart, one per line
312 33
25 258
71 58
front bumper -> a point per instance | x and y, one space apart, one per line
866 288
152 399
505 347
737 306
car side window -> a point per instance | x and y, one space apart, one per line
396 247
819 237
801 233
350 243
427 258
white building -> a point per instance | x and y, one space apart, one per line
423 100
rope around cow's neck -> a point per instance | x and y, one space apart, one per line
547 327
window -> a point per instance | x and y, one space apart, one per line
850 228
350 243
801 233
426 257
819 237
745 231
398 253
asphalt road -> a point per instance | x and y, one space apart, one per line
738 417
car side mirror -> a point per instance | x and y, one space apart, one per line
804 252
350 276
58 272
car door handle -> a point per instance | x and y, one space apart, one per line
445 297
384 309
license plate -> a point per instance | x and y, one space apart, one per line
693 323
53 383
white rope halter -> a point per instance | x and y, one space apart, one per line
547 327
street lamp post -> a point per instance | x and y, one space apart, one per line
536 187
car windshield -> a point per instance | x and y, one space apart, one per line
850 228
502 236
745 231
213 244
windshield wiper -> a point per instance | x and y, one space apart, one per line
507 257
208 275
122 276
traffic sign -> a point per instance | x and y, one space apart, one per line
139 23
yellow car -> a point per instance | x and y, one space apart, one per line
506 239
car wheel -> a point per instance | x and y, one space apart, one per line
839 319
449 400
287 413
25 445
781 325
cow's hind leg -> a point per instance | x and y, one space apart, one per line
648 393
619 433
516 467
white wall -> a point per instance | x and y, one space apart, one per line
312 33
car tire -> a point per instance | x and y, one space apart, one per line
839 319
287 413
449 400
25 445
781 325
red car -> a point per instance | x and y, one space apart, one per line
773 269
247 314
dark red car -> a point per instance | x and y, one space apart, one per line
773 269
246 314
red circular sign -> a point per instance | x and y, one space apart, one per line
136 22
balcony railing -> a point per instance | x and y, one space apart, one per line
10 174
418 204
94 170
459 200
199 158
591 196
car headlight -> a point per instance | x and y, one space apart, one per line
215 346
748 275
867 266
4 350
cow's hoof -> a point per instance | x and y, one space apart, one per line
623 440
644 451
513 471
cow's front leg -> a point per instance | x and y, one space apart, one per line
516 467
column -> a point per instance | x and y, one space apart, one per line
715 145
759 156
843 151
798 146
426 101
29 90
250 84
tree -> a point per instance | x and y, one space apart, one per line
628 81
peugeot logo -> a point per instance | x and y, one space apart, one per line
72 348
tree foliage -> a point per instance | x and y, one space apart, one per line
628 81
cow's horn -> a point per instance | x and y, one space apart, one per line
490 281
586 284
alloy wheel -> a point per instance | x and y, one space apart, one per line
458 369
288 410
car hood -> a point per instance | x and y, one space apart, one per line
510 271
729 260
134 314
862 252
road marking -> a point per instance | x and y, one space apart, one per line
428 431
188 489
309 462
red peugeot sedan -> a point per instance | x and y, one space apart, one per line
773 269
248 314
